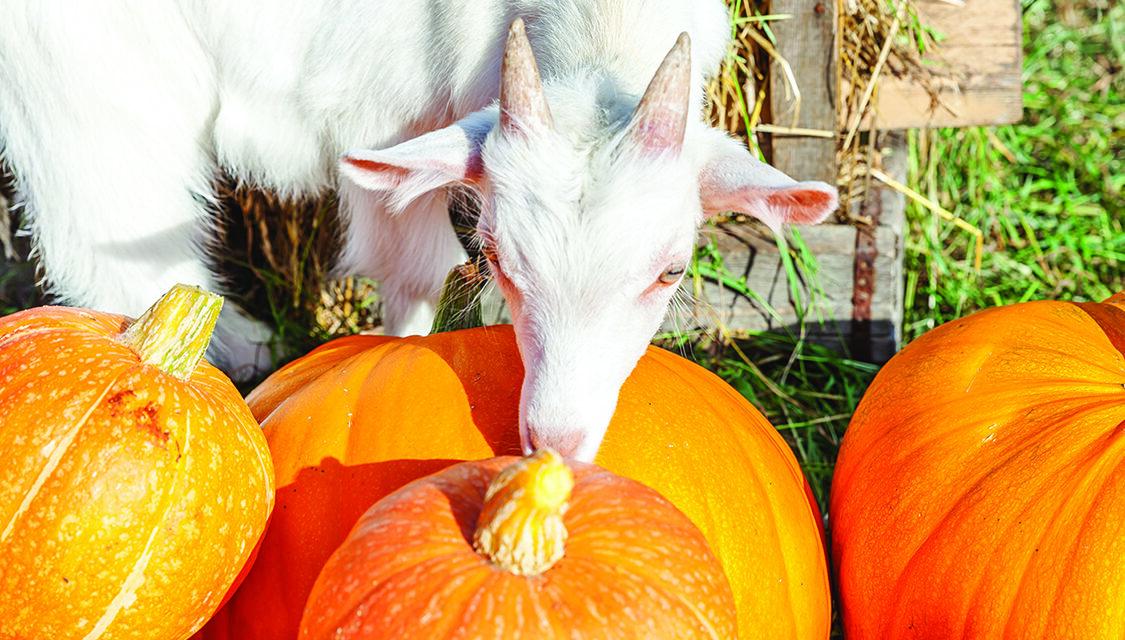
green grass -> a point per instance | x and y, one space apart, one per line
807 391
1046 193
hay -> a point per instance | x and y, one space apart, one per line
8 222
878 39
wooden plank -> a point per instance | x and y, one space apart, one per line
983 50
828 319
807 41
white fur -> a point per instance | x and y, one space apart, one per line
116 115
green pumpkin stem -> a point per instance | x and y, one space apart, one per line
173 333
459 306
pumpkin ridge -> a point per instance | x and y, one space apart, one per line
54 319
634 582
940 525
135 579
919 443
56 457
484 588
980 594
968 492
28 331
483 577
697 612
1026 573
1109 316
668 591
777 549
264 459
545 611
971 488
1090 467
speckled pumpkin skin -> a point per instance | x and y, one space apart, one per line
634 566
129 499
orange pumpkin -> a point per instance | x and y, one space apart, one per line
522 548
980 488
364 415
134 481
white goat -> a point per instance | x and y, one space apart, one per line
116 115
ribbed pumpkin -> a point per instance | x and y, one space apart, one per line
134 481
980 488
364 415
522 548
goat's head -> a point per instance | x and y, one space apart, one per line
588 219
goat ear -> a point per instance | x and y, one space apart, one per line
734 180
410 169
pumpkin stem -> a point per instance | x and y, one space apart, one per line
459 305
520 528
175 331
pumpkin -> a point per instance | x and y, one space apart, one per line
522 548
980 487
362 416
134 481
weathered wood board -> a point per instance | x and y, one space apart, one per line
807 41
828 319
983 47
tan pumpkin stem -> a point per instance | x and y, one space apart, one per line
175 331
521 527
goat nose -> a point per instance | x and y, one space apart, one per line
565 443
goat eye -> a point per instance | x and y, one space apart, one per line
673 273
488 250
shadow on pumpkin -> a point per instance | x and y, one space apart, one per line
312 516
326 500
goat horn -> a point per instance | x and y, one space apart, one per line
522 103
661 116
